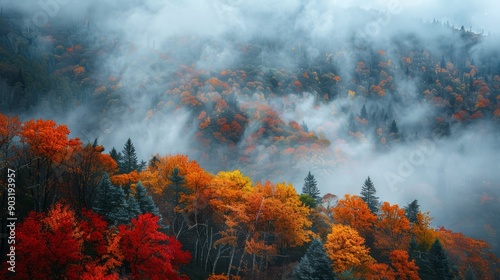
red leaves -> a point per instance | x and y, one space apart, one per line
59 244
150 253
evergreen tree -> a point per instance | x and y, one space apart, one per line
305 127
438 263
311 188
117 156
394 127
315 265
128 162
177 186
363 114
142 165
146 203
133 208
412 210
308 200
368 192
111 203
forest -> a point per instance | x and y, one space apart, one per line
296 153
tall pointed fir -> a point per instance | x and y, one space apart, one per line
394 128
176 187
411 211
434 264
439 261
315 265
110 202
117 156
146 203
128 163
368 192
311 187
133 208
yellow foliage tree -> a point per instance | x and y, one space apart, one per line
346 249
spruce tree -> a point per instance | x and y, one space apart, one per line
128 162
411 211
117 156
438 262
111 203
146 203
363 114
311 187
133 208
176 187
368 192
394 127
315 265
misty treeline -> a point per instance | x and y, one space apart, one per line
273 99
85 213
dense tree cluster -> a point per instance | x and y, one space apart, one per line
174 219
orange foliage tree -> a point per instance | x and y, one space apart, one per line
45 147
354 212
392 230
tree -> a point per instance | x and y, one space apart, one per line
394 128
150 253
111 203
411 211
128 162
308 200
85 170
146 203
66 246
392 230
363 114
346 249
368 192
403 268
315 265
310 187
439 267
45 149
117 156
354 212
176 187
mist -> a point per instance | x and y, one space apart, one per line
144 43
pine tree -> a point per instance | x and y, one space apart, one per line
111 203
128 163
394 127
146 203
117 156
368 192
363 114
177 186
412 210
438 262
311 187
133 208
315 265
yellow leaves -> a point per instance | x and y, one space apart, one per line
423 233
346 248
351 94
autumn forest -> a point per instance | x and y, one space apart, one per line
285 154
